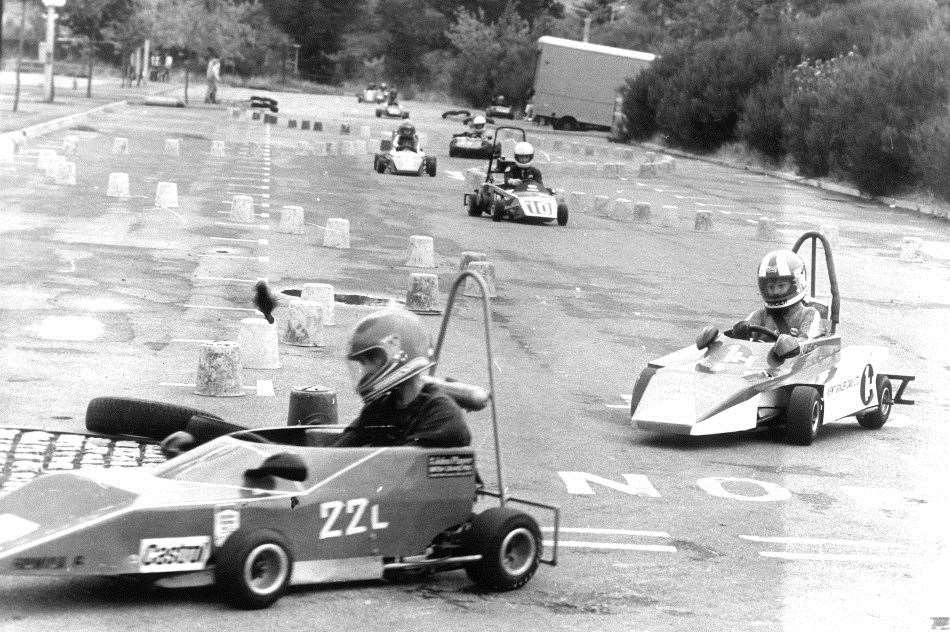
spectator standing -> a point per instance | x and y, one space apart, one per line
213 76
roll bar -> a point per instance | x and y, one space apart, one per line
524 137
814 237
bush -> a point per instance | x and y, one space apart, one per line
760 125
643 92
931 143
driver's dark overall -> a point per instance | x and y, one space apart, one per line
525 174
797 320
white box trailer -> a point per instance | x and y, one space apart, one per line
576 84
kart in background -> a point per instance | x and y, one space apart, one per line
527 201
392 110
464 145
724 384
371 94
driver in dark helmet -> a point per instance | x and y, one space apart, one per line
406 137
782 281
389 353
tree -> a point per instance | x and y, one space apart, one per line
93 21
318 26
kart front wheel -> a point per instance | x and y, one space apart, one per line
562 214
379 114
509 542
877 417
253 568
430 166
803 415
474 208
497 211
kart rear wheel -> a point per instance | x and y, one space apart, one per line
253 568
405 115
497 210
379 114
562 214
474 208
430 166
139 417
876 418
803 415
509 542
452 152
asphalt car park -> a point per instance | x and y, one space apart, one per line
110 296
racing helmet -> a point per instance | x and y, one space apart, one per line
524 154
500 100
782 279
406 129
478 123
387 348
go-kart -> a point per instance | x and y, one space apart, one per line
526 201
371 94
255 511
266 103
392 110
403 162
500 111
725 384
465 145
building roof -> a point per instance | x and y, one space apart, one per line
596 48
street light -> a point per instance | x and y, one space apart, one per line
51 6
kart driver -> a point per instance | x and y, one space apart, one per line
520 170
389 352
782 282
406 137
476 126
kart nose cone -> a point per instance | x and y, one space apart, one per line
668 404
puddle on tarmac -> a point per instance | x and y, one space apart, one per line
78 328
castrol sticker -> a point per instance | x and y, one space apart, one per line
163 555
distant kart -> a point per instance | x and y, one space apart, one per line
524 202
255 511
500 111
266 103
392 110
403 162
725 384
465 145
371 95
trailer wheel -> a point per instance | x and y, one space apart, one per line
877 417
139 417
509 542
253 568
803 415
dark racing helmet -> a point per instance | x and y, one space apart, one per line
387 348
782 279
524 154
406 130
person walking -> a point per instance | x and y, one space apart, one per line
213 76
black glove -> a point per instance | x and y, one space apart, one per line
264 300
741 329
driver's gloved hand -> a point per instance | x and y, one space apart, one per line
514 181
741 329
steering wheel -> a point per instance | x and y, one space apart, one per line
768 334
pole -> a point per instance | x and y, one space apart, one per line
19 55
50 43
586 37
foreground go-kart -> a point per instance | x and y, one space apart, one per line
255 511
392 110
403 162
526 201
725 384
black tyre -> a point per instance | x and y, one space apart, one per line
497 210
204 428
405 115
139 417
379 114
253 568
509 542
565 123
803 415
430 166
562 214
474 208
452 152
877 417
359 99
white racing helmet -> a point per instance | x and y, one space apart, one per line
524 154
387 348
478 123
782 279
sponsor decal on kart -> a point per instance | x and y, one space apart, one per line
162 555
50 563
227 520
469 143
538 206
451 466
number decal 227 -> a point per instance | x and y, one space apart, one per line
355 509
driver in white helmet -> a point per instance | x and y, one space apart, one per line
476 126
783 284
522 170
389 353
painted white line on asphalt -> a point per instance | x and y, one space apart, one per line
236 225
262 215
189 341
620 546
597 531
216 255
226 279
192 385
818 541
229 309
618 406
826 557
262 242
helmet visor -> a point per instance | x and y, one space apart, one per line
523 159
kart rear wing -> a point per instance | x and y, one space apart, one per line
815 237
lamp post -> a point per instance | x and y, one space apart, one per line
51 6
297 60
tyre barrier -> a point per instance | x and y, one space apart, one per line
220 370
622 210
600 205
292 124
421 252
257 339
832 233
321 294
303 324
311 406
337 233
218 149
70 145
702 220
242 209
118 185
291 220
172 147
642 212
305 126
166 195
120 146
910 249
469 256
65 173
423 295
765 229
487 270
